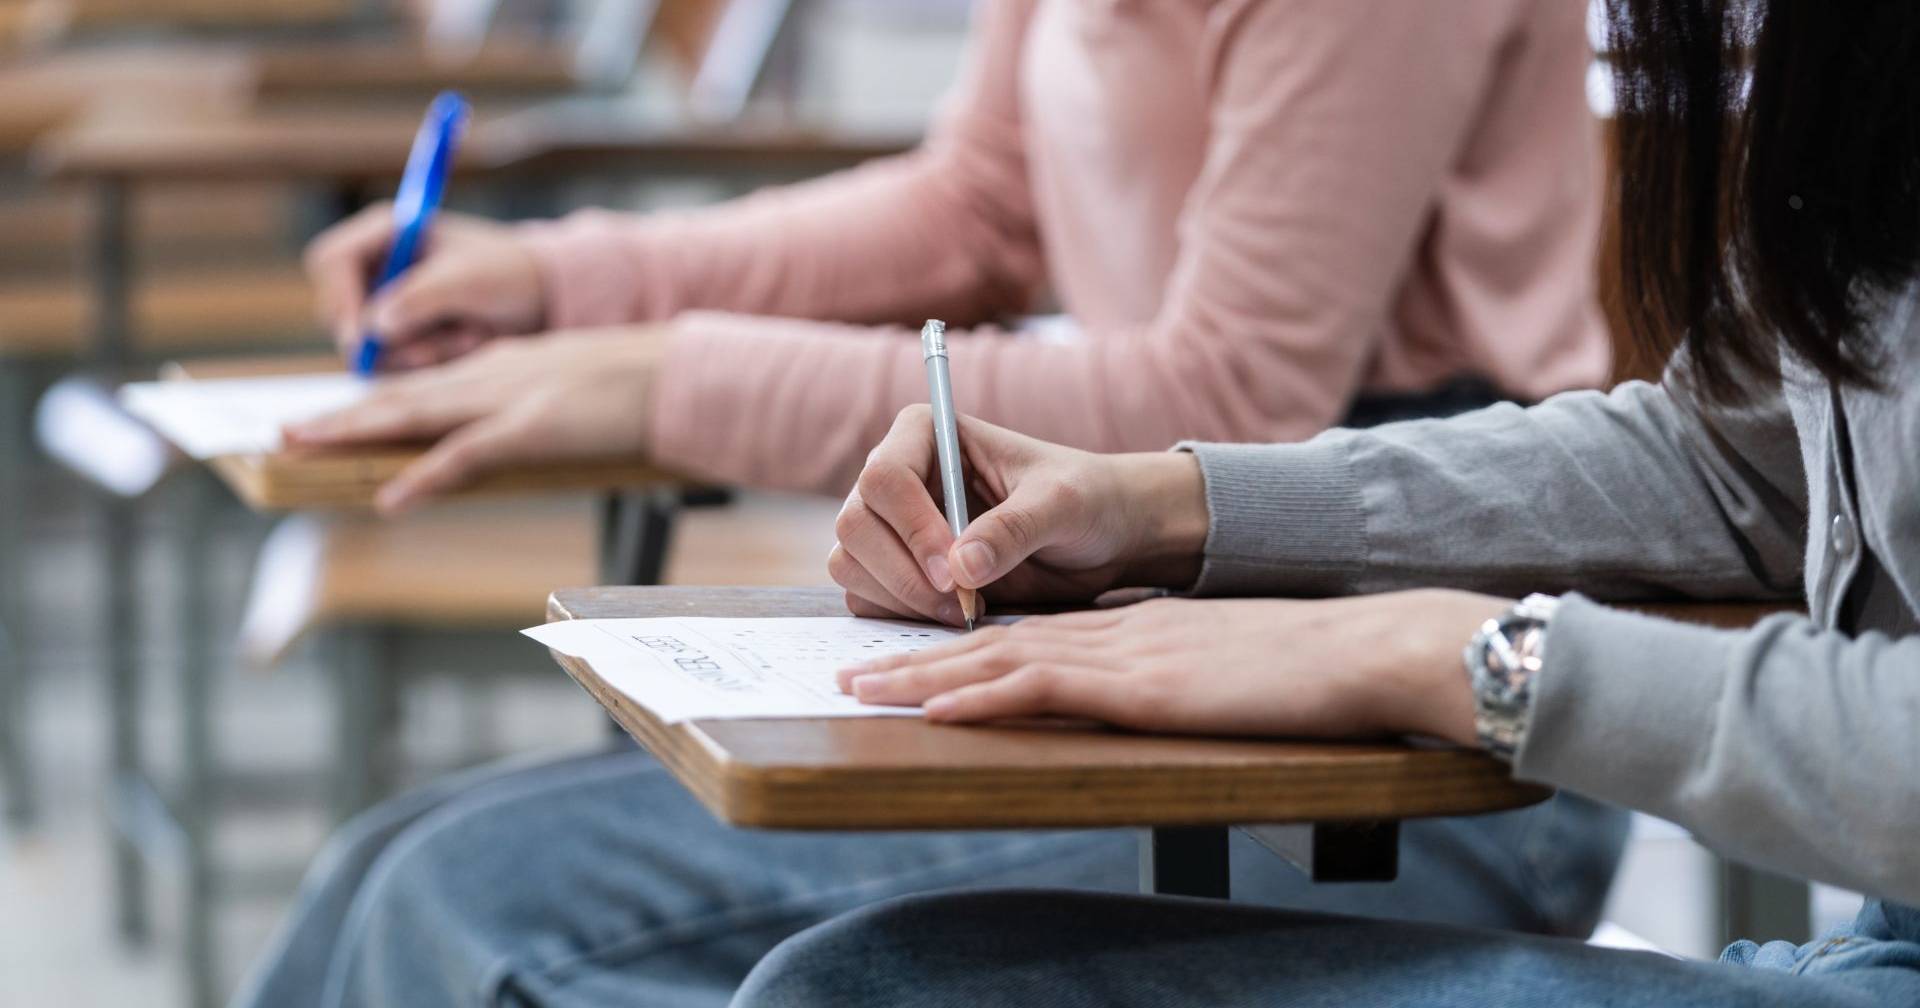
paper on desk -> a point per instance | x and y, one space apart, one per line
237 416
696 667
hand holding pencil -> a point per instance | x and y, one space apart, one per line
946 442
1059 526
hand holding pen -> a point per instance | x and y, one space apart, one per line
421 189
1060 525
946 442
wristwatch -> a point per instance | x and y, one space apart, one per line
1503 660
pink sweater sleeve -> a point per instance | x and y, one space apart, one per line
947 229
1332 123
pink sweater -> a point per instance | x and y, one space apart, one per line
1252 210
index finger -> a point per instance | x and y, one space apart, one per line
894 485
340 260
399 409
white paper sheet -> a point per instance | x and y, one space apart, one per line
237 416
686 668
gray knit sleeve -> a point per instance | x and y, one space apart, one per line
1622 495
1785 746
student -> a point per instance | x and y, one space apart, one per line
1771 219
1252 211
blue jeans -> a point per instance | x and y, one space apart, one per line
598 881
1081 950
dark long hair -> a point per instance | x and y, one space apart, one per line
1770 178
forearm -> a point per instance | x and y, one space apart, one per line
796 405
945 231
889 241
1623 495
1784 745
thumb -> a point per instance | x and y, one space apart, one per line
1005 536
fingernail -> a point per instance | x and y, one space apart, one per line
864 684
939 573
950 614
976 561
939 708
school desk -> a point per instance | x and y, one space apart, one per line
1345 801
897 773
354 156
174 824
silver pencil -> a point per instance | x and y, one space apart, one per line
946 442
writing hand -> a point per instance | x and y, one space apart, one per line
475 281
1051 524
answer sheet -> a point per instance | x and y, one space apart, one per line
238 416
697 667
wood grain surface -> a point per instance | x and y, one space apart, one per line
371 145
899 773
405 71
205 310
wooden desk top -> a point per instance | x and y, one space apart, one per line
347 480
605 134
207 13
383 70
327 145
214 309
901 773
372 146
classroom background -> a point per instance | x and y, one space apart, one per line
195 685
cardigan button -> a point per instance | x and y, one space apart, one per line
1841 537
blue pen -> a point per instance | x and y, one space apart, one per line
414 206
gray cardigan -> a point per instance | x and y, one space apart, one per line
1794 745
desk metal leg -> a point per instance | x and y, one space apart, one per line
635 532
364 684
16 778
1185 861
118 636
16 774
1763 906
111 267
111 270
193 798
1366 851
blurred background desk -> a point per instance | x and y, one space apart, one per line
387 603
222 135
350 157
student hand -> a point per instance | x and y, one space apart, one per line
570 395
1050 524
475 281
1337 668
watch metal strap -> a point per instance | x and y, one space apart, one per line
1503 661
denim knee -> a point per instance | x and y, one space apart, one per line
863 957
422 930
